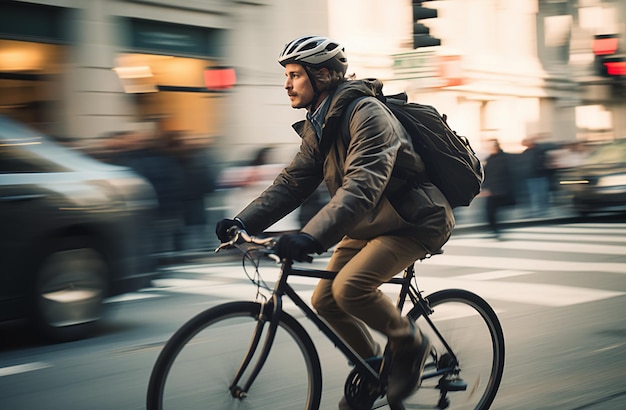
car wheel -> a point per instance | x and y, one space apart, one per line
70 287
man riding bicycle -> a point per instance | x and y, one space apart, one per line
380 223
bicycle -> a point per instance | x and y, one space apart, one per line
254 354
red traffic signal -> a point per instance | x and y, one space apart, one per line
605 44
615 66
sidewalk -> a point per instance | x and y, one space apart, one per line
468 220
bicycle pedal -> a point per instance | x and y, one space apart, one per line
452 385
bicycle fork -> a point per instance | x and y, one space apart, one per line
263 318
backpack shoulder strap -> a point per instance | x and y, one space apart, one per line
345 121
407 175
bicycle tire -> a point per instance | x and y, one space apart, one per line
473 331
198 363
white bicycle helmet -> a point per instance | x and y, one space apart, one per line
315 52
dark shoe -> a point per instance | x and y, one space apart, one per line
407 367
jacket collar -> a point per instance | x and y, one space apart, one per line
348 91
345 93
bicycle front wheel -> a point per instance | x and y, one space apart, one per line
197 366
475 351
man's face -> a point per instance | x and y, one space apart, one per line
298 86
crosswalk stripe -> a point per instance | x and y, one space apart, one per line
497 274
23 368
578 228
548 246
554 237
228 272
191 284
493 262
529 293
613 225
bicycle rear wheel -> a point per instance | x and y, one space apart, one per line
472 330
196 367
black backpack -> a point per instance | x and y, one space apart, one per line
451 163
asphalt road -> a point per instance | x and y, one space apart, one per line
559 290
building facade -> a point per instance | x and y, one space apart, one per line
85 68
505 68
509 69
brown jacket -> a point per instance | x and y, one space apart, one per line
366 201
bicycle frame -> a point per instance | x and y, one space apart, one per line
282 288
460 315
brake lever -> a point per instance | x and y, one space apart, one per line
235 232
223 246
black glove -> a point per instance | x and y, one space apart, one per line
297 247
222 227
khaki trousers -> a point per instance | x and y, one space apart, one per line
352 301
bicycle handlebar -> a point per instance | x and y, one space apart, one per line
238 236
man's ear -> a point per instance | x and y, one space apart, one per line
323 74
322 77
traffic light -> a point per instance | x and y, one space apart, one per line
608 62
615 66
421 33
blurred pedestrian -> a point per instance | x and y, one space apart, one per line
148 154
498 186
199 178
537 176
